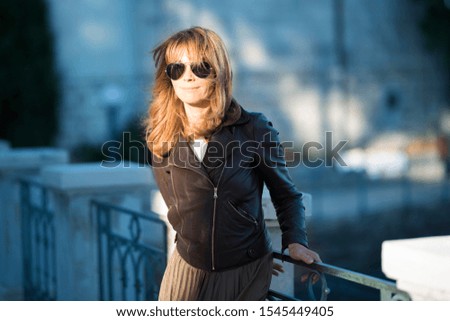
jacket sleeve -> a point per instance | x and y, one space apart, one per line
287 200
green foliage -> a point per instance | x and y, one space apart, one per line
28 81
86 153
128 145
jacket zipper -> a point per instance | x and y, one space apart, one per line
244 214
213 230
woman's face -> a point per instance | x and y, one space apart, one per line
190 89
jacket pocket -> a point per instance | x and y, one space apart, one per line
243 214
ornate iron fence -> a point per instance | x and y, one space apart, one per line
132 253
312 278
38 241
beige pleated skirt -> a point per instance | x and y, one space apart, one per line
183 282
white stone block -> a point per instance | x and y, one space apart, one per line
420 266
25 158
95 175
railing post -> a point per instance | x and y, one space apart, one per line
103 226
75 185
14 164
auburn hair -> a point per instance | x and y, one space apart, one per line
166 118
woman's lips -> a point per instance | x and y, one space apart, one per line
189 88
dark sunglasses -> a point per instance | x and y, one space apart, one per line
176 70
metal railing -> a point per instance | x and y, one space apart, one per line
131 263
316 284
38 241
132 255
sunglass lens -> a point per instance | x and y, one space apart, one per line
175 71
202 70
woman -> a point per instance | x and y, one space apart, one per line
211 158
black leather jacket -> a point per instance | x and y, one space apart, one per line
215 205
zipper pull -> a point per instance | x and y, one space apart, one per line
215 193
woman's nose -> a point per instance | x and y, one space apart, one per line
188 75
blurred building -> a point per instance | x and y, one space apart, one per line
356 68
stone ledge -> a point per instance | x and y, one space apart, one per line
420 266
89 175
21 158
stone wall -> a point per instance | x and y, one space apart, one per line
290 61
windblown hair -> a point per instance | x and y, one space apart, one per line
166 118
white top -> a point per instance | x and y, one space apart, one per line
199 146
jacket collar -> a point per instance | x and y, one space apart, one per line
218 150
236 115
182 156
219 145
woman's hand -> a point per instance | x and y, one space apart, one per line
302 253
277 269
297 252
